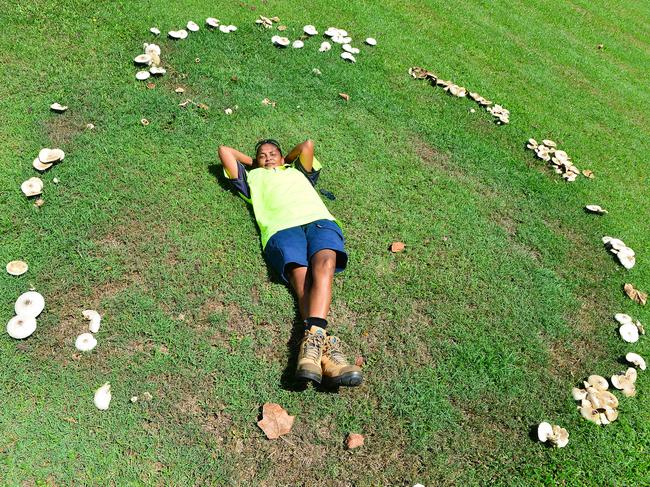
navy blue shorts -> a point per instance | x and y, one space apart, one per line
297 245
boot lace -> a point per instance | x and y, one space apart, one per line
313 346
335 352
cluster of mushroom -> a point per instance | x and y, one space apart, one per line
559 159
597 404
501 114
267 23
150 58
553 434
625 382
625 254
336 35
27 307
86 341
629 330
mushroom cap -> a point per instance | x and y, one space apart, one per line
57 107
611 414
155 31
85 342
348 57
629 332
212 22
589 413
142 75
598 382
310 30
549 143
103 397
50 155
561 155
157 70
192 26
636 359
298 44
614 243
177 34
626 257
560 436
623 318
20 327
41 166
281 41
32 187
142 59
596 209
631 374
543 431
325 46
17 267
578 394
371 41
30 303
94 317
232 28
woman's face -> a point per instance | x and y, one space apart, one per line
269 156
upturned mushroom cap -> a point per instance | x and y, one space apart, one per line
41 166
629 332
192 26
103 397
620 381
578 394
325 46
595 209
611 414
85 342
281 41
590 414
598 382
298 44
310 30
20 327
57 107
371 41
543 431
560 436
50 155
142 59
348 57
631 374
636 359
17 267
32 187
212 22
155 31
30 303
626 257
95 319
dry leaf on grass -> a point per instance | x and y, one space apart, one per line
275 421
345 96
635 295
354 440
180 90
397 247
151 86
588 173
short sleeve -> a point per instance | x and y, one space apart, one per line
311 175
240 183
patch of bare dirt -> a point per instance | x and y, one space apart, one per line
62 129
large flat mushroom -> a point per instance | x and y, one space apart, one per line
636 359
85 342
30 303
17 267
20 327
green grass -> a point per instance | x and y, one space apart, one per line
500 304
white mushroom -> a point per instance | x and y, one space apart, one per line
85 342
228 111
348 57
281 41
626 257
142 59
50 155
17 267
549 143
178 34
57 107
544 430
325 46
192 26
142 75
30 303
636 359
103 397
41 166
625 382
532 143
350 49
157 70
310 30
20 327
629 332
578 394
371 41
623 318
298 44
595 209
94 317
598 382
155 31
212 22
32 187
559 437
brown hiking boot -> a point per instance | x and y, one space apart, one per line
336 369
310 354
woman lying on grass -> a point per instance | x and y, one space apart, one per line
301 242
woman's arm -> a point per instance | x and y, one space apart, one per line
306 153
229 158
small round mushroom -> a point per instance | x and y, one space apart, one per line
298 44
85 342
224 28
310 30
350 49
371 41
155 31
348 57
636 359
17 267
192 26
142 75
142 59
281 41
30 303
95 319
212 22
57 107
325 46
629 332
544 430
103 397
20 327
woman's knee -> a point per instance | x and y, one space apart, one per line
323 261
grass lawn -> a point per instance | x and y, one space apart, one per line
500 304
